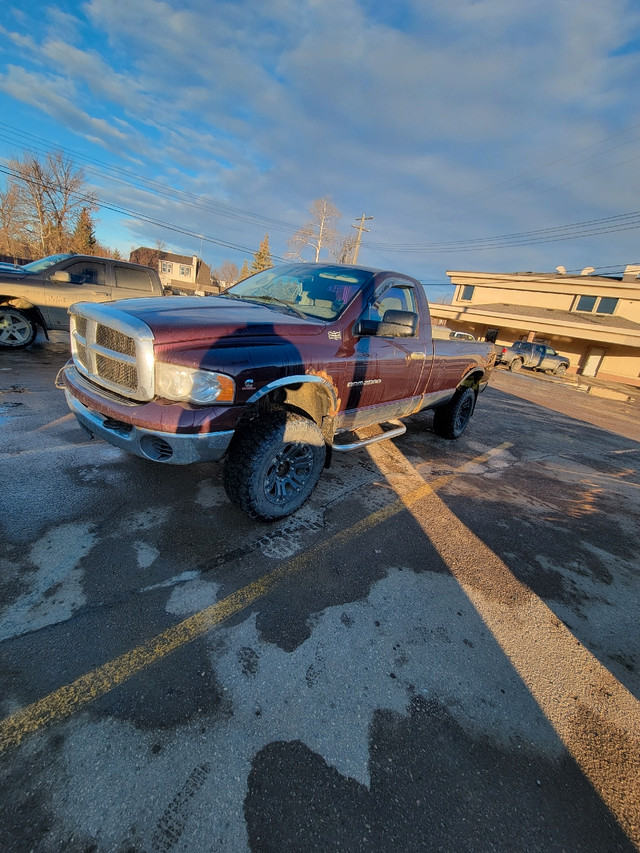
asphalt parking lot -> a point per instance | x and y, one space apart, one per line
440 651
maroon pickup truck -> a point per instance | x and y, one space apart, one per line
273 375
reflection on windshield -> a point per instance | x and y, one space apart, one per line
44 263
313 290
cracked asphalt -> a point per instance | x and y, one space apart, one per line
439 652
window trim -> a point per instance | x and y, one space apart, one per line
463 290
596 305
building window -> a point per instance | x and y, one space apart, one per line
607 305
466 294
185 271
597 304
167 267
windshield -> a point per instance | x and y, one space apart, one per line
44 263
314 290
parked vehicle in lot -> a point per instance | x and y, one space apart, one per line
536 356
445 333
273 375
39 294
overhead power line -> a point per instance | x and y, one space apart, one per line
121 176
621 222
142 217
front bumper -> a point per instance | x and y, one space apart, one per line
168 447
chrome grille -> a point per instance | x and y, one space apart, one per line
118 372
114 340
113 349
80 354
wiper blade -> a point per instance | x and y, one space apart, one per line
272 300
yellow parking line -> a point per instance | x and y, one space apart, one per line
70 698
594 715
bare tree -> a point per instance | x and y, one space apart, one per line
345 250
12 225
52 196
145 256
319 233
226 274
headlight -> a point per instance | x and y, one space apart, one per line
187 385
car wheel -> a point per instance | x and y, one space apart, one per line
274 464
560 370
516 364
16 328
450 421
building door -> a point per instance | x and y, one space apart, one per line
593 361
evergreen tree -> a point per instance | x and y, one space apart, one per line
244 272
262 258
84 238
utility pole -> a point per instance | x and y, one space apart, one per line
360 228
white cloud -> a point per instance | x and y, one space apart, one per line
418 113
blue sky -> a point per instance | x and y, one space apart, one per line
454 125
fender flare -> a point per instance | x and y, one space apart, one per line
286 381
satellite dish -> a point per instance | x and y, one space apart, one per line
588 270
561 270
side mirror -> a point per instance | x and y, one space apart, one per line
61 276
366 327
398 324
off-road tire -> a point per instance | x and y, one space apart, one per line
560 370
516 364
274 464
17 329
450 421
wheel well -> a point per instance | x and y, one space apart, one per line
306 398
472 381
23 305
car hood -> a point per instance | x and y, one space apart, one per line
176 319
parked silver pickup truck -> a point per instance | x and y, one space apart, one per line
39 293
536 356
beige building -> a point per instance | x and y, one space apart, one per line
181 273
594 320
184 272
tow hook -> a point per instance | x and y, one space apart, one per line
59 382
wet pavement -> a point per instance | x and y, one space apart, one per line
438 652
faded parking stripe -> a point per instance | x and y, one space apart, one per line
67 700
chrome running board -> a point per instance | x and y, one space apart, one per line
400 429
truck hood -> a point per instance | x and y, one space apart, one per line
11 272
175 319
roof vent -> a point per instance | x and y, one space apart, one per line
588 270
631 272
561 270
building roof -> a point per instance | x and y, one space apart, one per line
176 259
608 321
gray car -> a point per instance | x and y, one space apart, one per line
532 355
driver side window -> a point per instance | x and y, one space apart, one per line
393 298
87 272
